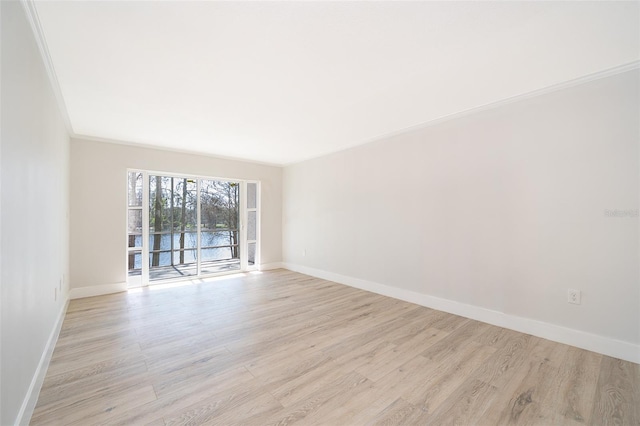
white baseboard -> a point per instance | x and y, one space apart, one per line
269 266
31 398
592 342
97 290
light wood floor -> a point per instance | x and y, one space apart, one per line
285 348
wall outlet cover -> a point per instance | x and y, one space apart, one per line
574 296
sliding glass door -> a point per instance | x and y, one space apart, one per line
189 226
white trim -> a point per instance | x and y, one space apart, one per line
592 342
242 227
270 266
34 21
97 290
31 398
506 101
184 175
198 229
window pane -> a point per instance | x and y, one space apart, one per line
184 256
252 195
134 262
162 258
219 203
159 242
220 266
251 226
251 255
135 240
164 269
160 209
216 254
219 238
185 240
185 203
135 189
135 221
220 209
218 260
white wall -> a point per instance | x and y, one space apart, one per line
34 223
493 215
98 205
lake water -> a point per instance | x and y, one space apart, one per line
219 238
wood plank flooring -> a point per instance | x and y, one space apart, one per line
278 348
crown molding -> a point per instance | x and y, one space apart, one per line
144 145
34 21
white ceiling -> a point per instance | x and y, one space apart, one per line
279 82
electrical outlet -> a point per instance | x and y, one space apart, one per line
574 296
55 294
304 252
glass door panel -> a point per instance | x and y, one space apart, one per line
172 227
134 187
220 217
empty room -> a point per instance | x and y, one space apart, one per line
319 212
